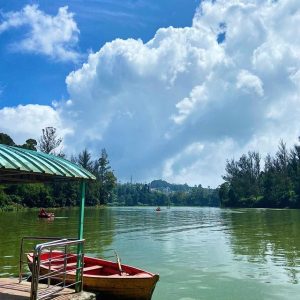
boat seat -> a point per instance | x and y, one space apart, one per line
144 275
61 266
91 268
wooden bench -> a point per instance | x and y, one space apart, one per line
85 269
91 268
62 266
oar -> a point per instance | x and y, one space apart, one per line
119 262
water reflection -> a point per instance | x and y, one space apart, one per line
266 237
99 230
15 225
200 253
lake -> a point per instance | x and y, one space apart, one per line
200 253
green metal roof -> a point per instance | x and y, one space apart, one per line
22 165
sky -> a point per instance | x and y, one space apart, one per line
171 89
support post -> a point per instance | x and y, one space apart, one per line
80 236
81 214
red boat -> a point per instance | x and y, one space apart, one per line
111 279
44 214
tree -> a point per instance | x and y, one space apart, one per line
278 186
6 139
244 179
84 160
106 178
30 144
49 140
294 171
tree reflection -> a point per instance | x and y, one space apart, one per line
262 235
98 232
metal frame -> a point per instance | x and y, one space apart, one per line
61 272
33 238
78 288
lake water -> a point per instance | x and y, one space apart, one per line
200 253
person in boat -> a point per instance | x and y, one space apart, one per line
158 208
43 212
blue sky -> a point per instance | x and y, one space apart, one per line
99 22
172 89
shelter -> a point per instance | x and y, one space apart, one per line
19 165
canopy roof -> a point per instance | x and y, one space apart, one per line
22 165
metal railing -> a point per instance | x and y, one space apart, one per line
59 261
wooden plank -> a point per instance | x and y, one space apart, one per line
11 289
91 268
61 266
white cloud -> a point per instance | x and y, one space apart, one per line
181 104
152 104
54 36
295 77
27 121
247 81
187 105
194 161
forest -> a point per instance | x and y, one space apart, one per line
106 190
249 181
275 183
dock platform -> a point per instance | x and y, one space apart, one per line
11 289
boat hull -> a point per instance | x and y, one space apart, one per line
104 277
121 288
46 216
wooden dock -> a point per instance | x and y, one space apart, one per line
11 289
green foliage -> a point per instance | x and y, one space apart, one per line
106 178
60 194
164 186
277 185
104 190
144 194
30 144
100 191
6 139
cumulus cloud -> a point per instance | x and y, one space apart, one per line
180 104
187 105
54 36
27 121
248 81
198 161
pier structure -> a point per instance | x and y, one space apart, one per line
19 165
11 289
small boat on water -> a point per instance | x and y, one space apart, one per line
158 209
45 215
111 279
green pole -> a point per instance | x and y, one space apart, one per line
81 214
80 235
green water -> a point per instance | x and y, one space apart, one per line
200 253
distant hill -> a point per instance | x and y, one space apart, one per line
164 186
183 194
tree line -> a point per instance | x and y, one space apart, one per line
59 194
129 194
103 191
276 184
